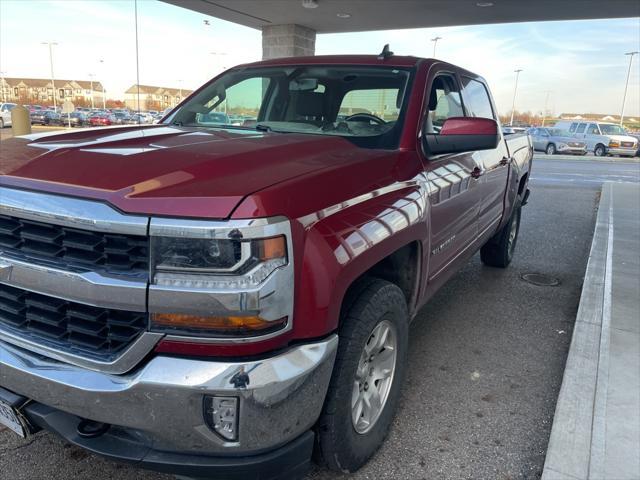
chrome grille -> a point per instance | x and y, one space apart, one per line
68 326
82 248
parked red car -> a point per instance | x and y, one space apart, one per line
101 119
218 300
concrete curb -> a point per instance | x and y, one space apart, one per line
592 436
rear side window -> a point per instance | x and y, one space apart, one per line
573 127
581 128
476 99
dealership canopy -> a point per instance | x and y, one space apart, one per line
289 26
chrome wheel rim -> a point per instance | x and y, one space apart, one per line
550 150
374 377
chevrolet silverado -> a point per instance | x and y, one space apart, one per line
220 300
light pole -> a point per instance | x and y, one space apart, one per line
435 42
104 91
513 104
2 86
218 54
546 102
53 83
91 75
626 85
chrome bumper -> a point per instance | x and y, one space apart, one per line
622 151
163 400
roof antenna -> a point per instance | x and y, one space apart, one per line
385 53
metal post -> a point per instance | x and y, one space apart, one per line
513 104
53 83
104 91
546 102
2 86
626 85
91 75
435 42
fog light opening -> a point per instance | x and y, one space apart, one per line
221 415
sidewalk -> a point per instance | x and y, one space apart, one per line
596 428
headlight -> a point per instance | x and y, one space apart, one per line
205 262
613 144
220 279
562 145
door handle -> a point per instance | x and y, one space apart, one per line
476 172
506 160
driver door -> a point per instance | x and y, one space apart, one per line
454 193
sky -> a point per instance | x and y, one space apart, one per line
579 66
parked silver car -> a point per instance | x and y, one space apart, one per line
556 140
601 138
5 114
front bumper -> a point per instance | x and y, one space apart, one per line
573 150
161 403
629 152
288 462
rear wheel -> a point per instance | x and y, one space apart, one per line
600 150
367 376
551 149
498 252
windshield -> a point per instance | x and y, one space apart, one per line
612 129
364 104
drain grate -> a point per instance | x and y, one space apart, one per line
540 279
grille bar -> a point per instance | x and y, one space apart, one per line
73 327
82 248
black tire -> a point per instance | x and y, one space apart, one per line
600 150
338 445
498 251
551 149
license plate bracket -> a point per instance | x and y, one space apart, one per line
10 416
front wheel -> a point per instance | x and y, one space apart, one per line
367 376
600 151
498 251
551 149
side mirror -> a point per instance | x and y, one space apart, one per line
462 134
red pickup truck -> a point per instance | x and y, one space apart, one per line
222 295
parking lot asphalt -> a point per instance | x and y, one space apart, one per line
487 356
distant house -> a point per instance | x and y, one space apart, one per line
590 117
41 91
148 97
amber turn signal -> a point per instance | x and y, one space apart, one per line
222 325
271 248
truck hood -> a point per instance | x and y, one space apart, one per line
622 138
167 170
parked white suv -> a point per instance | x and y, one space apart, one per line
602 138
5 114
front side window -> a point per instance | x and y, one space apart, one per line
581 128
444 102
593 129
476 99
363 104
